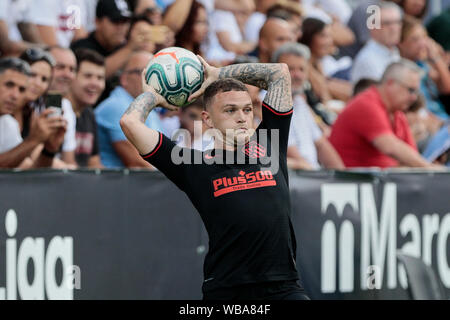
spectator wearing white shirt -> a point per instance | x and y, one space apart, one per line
14 150
381 50
59 22
17 33
308 148
227 40
63 75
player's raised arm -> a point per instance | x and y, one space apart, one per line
133 120
273 77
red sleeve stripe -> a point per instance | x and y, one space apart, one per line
277 112
148 155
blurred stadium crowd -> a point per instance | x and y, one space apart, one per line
370 78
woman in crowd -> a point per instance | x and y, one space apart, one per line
194 31
317 36
42 64
414 8
416 46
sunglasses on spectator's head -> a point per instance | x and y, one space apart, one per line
36 54
15 64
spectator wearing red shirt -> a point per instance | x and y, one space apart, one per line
373 131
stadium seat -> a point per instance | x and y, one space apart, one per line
423 283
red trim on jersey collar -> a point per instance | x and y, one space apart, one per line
148 155
277 112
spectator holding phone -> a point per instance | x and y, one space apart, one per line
37 96
16 151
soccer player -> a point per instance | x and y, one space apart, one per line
245 207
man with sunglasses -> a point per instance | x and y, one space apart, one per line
115 150
372 130
15 151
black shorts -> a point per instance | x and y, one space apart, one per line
274 290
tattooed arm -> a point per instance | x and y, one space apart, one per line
273 77
133 120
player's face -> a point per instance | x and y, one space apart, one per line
232 114
13 87
89 83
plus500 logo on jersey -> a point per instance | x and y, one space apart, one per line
243 181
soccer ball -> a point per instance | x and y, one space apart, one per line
175 73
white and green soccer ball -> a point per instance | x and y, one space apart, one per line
175 73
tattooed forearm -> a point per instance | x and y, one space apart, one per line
142 105
269 76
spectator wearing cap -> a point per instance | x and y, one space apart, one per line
84 92
372 130
109 39
381 50
14 150
115 150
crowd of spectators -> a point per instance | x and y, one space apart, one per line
370 78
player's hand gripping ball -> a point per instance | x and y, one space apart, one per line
175 73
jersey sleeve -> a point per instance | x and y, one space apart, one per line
167 157
273 119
